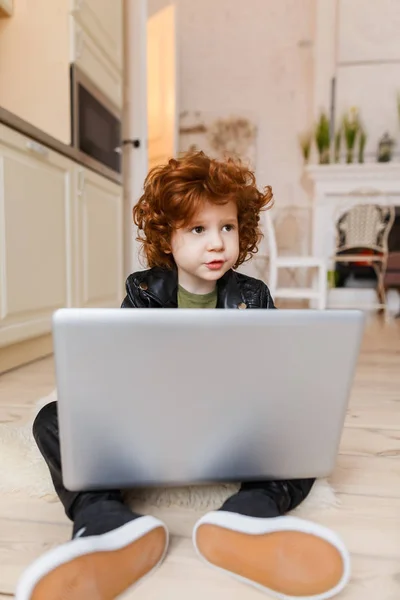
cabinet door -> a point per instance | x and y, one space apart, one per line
35 218
99 208
90 58
102 19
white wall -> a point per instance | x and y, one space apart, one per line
368 64
34 65
251 56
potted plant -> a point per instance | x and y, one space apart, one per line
338 144
362 139
305 140
322 138
351 127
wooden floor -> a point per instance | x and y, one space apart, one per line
367 479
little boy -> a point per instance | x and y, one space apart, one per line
200 221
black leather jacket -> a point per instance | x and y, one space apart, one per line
157 288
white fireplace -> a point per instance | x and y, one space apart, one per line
335 189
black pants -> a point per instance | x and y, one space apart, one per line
258 499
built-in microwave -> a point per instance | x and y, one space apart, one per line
95 122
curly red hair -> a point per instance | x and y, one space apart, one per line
173 194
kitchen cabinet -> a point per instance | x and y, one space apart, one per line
35 222
61 238
102 19
90 59
99 241
37 88
6 8
97 48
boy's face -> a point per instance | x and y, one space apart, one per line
206 249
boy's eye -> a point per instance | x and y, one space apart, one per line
229 227
198 229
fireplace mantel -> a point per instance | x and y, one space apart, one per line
336 188
341 176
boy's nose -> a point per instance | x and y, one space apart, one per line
215 242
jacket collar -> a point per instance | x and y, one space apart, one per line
162 288
229 293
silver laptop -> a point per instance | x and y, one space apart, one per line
168 397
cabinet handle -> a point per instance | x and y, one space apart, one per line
37 148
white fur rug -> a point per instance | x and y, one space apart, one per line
23 469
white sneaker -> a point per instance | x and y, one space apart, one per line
286 557
97 566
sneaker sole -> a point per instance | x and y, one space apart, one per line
97 567
285 557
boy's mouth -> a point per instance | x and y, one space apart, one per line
214 265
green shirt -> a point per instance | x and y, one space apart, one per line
188 300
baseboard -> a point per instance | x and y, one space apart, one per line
25 352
